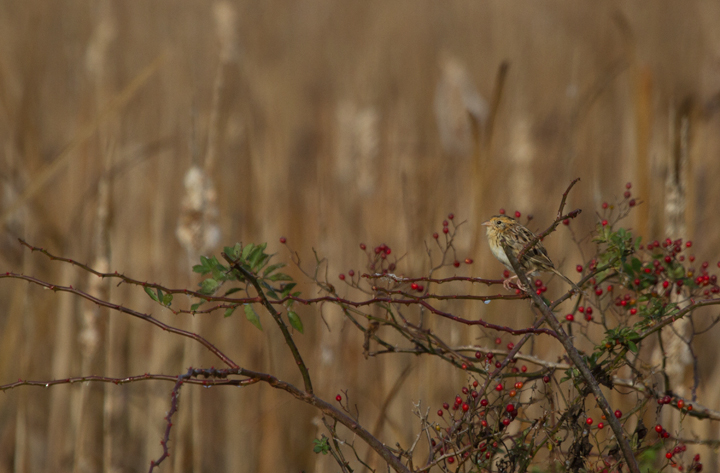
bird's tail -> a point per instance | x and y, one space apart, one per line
566 279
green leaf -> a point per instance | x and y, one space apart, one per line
321 446
279 277
252 315
229 311
208 286
167 300
632 346
287 288
246 251
636 265
198 268
295 321
151 293
233 252
160 295
233 290
272 268
195 307
257 255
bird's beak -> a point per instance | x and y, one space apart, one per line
487 224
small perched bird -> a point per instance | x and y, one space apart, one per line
506 231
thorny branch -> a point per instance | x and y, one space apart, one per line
465 438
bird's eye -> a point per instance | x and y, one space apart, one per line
498 223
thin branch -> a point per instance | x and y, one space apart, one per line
278 320
120 308
579 364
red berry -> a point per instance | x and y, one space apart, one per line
440 412
510 408
498 341
626 194
338 398
506 422
502 212
588 317
510 346
523 368
628 185
546 379
446 405
489 356
446 230
478 355
688 244
601 425
435 235
414 286
468 261
499 387
388 250
362 246
633 311
283 240
680 403
570 317
566 221
484 402
598 291
465 407
668 455
451 216
658 428
456 263
579 268
464 366
604 222
631 203
609 288
618 414
589 421
506 274
445 223
604 205
517 214
351 273
342 277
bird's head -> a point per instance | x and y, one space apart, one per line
499 223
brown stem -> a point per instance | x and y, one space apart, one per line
278 320
125 310
580 364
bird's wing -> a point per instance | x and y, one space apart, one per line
537 254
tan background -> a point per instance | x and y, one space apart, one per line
330 123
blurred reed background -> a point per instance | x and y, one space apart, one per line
137 135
